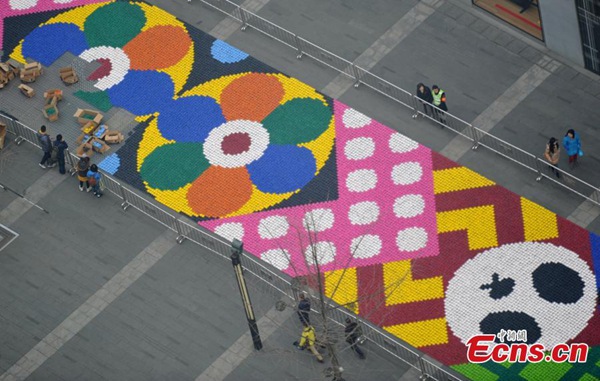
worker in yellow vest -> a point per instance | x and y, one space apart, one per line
308 340
439 101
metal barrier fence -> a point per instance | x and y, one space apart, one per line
405 98
281 283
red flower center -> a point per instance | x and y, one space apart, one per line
236 143
102 71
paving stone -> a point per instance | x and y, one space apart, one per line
491 33
479 25
451 10
503 39
466 19
516 46
593 88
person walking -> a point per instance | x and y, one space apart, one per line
552 155
94 178
426 97
46 144
307 340
439 101
352 332
60 145
572 145
304 309
82 170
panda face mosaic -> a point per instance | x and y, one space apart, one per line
545 289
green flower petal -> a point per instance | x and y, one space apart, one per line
114 24
300 120
173 166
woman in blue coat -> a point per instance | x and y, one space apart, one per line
572 145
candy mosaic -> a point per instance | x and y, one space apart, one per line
427 249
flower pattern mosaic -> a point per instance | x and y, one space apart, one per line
426 248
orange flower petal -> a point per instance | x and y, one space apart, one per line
220 191
158 47
251 97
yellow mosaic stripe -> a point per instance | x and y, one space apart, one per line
422 333
401 288
479 222
457 179
538 222
342 287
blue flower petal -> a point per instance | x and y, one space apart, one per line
143 92
190 119
283 168
110 164
225 53
47 43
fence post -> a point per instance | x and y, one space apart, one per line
424 376
298 46
356 75
415 106
539 169
244 18
475 137
124 204
180 237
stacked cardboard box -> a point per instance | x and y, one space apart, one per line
68 75
31 71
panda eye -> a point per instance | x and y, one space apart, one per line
558 283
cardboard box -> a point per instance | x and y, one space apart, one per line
99 145
83 138
89 128
27 91
33 66
68 75
50 111
113 137
85 115
84 149
2 134
100 131
53 93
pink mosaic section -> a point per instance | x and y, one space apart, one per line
385 210
9 8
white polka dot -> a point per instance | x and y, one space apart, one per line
359 148
280 258
366 246
231 230
354 119
363 213
318 220
323 252
407 173
273 227
400 143
22 4
361 180
411 239
409 206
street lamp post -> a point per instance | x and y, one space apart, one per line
237 247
